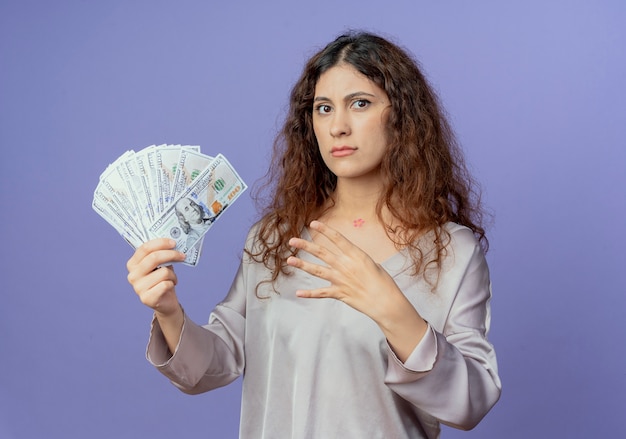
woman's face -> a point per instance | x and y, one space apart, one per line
190 211
349 120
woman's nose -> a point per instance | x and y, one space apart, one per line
340 125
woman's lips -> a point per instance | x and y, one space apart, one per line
342 151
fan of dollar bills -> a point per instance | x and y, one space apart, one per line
171 191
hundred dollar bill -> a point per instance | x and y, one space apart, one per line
156 177
110 196
201 203
113 186
167 160
190 164
129 171
147 177
107 209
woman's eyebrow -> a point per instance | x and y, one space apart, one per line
348 97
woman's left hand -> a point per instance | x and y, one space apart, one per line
355 279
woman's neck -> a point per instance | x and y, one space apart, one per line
352 212
356 198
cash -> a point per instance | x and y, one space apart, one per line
172 191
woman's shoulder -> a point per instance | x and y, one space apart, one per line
462 238
261 234
459 231
252 237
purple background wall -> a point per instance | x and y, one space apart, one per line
535 91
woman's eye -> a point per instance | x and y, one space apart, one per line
360 103
323 109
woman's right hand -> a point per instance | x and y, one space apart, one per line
156 286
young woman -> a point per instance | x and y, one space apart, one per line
361 306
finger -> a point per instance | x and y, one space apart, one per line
318 293
311 268
317 250
160 297
342 243
143 282
148 247
165 275
151 262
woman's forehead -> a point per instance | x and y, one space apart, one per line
344 79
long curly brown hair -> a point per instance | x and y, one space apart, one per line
426 182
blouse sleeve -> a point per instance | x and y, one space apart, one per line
452 374
208 356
